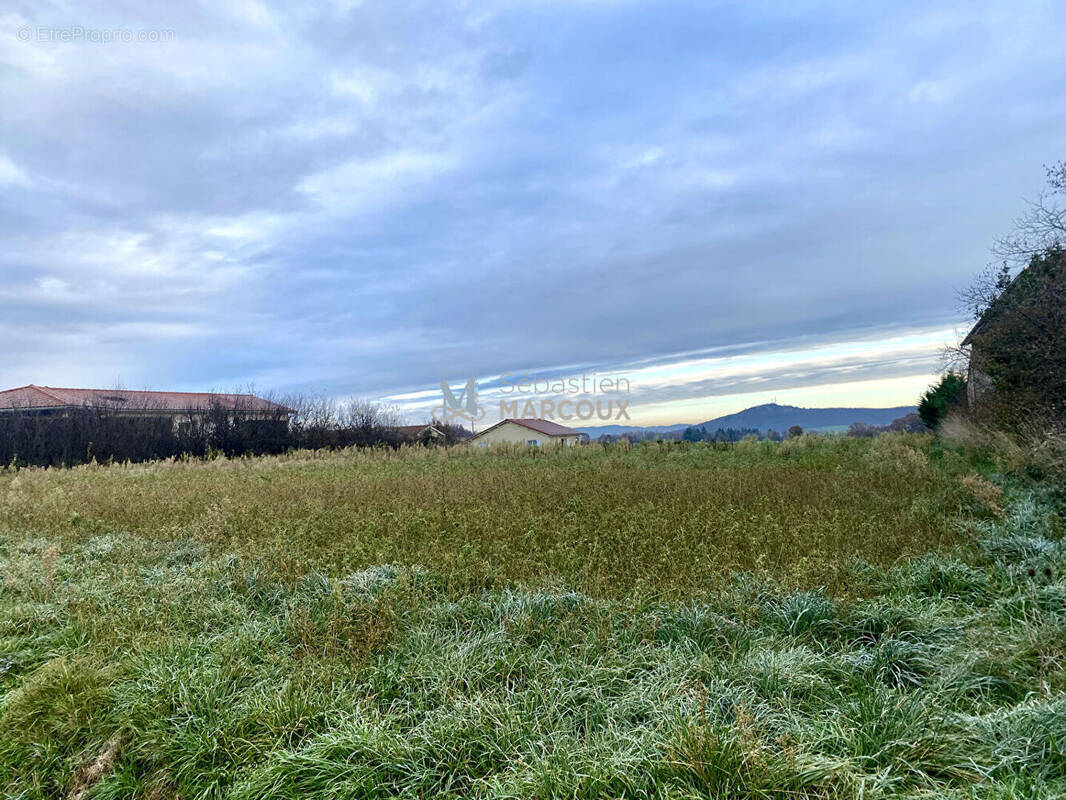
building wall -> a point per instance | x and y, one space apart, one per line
510 433
978 384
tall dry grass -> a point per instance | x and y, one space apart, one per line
670 519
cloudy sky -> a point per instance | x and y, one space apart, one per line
728 202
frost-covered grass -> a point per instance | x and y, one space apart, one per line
190 655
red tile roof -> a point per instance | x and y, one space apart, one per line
543 426
34 397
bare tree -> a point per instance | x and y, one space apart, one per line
1040 230
1042 227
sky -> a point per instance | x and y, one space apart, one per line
726 203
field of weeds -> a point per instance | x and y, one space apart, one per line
827 617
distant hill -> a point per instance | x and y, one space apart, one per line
781 418
777 417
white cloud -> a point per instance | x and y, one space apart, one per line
933 91
364 184
367 83
251 12
53 286
11 175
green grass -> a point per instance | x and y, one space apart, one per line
828 618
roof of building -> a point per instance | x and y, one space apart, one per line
1031 279
990 313
417 430
542 426
40 397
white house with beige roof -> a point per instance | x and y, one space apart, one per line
534 432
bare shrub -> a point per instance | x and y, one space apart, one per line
1039 446
986 493
891 454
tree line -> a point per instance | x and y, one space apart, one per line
104 433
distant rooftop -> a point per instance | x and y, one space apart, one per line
415 430
34 397
543 426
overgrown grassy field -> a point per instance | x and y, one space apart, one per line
827 617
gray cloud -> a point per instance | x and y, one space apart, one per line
367 197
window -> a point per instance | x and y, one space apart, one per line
533 442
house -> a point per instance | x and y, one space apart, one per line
1016 348
419 433
978 382
182 408
534 432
